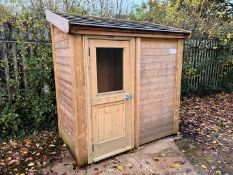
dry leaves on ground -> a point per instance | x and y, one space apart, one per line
30 154
208 123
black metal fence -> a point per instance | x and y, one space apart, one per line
16 48
203 66
206 66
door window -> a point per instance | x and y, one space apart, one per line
109 69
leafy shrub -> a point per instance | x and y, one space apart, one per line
29 107
33 108
207 67
9 122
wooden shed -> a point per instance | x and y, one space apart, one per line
117 83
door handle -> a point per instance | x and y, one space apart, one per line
127 97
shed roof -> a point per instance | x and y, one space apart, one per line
109 23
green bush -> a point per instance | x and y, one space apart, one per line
33 108
207 68
30 107
9 122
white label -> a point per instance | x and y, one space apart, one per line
172 50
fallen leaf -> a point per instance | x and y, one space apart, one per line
29 159
203 166
156 159
16 169
27 141
218 172
110 170
182 162
128 165
176 165
120 167
162 155
12 162
96 169
31 164
2 164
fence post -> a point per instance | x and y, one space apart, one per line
5 62
24 61
16 72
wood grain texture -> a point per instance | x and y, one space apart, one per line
111 116
63 58
179 59
128 33
55 76
157 82
137 91
80 103
58 21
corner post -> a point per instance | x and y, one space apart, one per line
179 58
137 91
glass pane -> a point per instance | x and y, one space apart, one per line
109 69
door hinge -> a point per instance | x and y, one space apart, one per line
89 52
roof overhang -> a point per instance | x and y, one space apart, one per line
66 26
58 21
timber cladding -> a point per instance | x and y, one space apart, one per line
63 62
157 82
115 90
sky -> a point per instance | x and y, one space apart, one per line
138 1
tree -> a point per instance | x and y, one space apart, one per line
205 18
5 14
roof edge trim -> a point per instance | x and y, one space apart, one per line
58 21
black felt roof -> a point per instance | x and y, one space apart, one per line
91 21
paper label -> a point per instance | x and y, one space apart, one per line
172 50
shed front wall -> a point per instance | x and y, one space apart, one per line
157 88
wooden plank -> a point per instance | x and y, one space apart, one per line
88 95
137 91
165 43
132 65
128 33
104 104
157 59
58 21
80 99
155 52
179 59
56 79
156 88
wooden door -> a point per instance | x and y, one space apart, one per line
112 84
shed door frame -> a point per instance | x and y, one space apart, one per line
88 83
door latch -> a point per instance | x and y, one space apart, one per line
127 97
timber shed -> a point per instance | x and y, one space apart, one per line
117 83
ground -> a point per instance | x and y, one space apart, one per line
29 155
204 146
207 133
158 158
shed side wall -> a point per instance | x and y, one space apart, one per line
64 74
157 92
